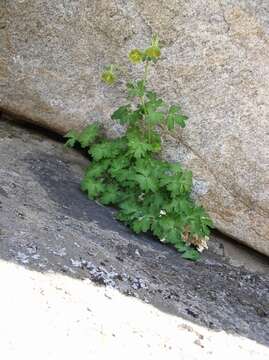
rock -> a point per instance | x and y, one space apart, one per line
100 321
48 225
215 63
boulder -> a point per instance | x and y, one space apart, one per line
214 62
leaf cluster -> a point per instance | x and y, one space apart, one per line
151 194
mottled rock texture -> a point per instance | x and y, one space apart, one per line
215 63
48 225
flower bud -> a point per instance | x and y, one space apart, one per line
135 56
153 52
108 76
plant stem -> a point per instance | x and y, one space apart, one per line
145 77
146 72
145 81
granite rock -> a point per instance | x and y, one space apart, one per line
215 63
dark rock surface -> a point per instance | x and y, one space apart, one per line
47 224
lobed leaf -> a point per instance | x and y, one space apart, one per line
72 137
110 195
89 135
175 117
93 187
136 89
191 254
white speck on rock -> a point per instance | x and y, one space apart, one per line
23 258
137 252
76 263
31 250
69 269
42 266
60 252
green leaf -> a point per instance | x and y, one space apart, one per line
175 169
134 116
124 177
199 222
185 182
167 223
72 137
181 205
117 165
171 183
173 236
142 224
106 149
124 115
191 254
155 202
153 104
93 187
138 147
121 114
181 246
89 135
157 229
146 182
136 89
151 95
144 177
160 168
154 117
170 122
178 184
101 151
97 169
130 208
175 117
110 195
181 120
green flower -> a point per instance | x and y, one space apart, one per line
108 76
135 56
153 51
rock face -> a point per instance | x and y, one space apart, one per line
215 63
48 225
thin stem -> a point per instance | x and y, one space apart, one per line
145 77
149 133
146 72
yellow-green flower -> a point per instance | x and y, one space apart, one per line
153 52
108 76
135 56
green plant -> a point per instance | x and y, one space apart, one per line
150 193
